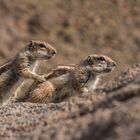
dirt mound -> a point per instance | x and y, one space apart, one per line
93 116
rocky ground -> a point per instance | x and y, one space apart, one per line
112 112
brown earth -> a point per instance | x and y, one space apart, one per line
76 28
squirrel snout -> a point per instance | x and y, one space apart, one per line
114 64
53 52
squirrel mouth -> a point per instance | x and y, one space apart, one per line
48 57
108 70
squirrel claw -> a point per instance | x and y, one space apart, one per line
41 79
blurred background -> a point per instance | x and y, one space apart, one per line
75 28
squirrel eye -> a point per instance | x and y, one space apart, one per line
42 46
101 58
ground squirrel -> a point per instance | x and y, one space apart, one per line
23 66
66 81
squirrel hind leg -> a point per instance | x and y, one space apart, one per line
43 93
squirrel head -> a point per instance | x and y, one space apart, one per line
40 49
99 64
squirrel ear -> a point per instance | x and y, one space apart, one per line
89 60
30 45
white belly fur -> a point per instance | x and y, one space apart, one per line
92 84
25 84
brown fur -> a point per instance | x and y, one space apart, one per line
21 66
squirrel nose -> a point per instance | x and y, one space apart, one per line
53 52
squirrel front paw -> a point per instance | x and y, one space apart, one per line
41 79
